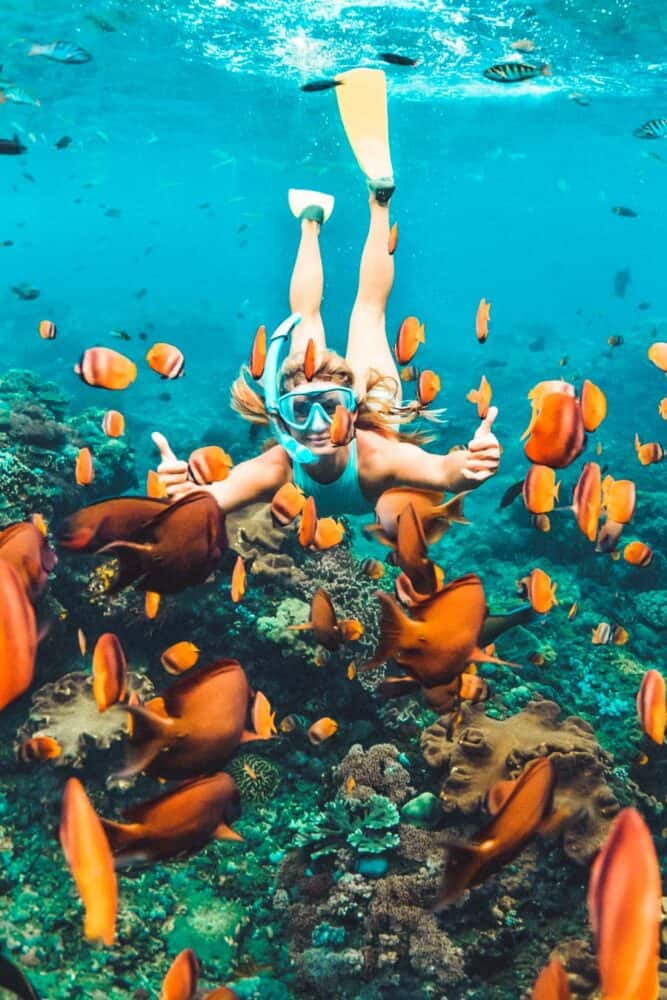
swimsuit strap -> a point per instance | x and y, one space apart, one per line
342 496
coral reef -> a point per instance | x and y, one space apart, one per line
66 710
252 533
378 770
478 751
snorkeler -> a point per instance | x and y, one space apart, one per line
345 479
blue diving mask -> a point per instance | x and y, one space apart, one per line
303 409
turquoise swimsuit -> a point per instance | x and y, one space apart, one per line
342 496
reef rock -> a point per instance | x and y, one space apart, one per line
66 710
254 536
479 751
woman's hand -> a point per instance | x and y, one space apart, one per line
483 456
171 470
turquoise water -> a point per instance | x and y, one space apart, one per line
167 215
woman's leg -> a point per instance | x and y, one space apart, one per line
367 345
306 289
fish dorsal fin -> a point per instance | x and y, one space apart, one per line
176 693
479 656
510 494
150 734
497 795
224 832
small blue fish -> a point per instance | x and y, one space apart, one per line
64 52
655 128
515 72
18 96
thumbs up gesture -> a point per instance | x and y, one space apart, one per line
483 451
171 470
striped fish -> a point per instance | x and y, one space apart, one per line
515 72
64 52
655 128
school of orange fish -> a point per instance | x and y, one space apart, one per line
435 631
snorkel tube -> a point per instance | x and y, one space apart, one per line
277 351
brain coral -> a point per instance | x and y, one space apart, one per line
479 751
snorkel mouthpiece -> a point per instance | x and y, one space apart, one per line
278 350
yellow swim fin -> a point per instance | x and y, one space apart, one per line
362 102
313 205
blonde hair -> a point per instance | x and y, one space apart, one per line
376 411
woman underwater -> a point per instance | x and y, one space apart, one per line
347 479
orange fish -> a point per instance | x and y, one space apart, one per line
82 641
180 983
109 671
574 607
179 657
341 428
40 748
662 408
556 431
537 659
308 523
412 553
441 638
351 670
538 588
18 636
239 580
258 353
540 489
287 504
657 353
113 424
351 629
482 397
482 318
523 813
587 500
309 360
84 471
47 329
26 548
541 522
198 724
151 604
263 719
428 387
651 706
552 984
410 336
619 635
624 900
181 821
619 499
105 369
436 517
222 993
155 487
322 730
593 403
88 856
209 465
328 630
392 242
472 687
638 554
615 340
328 532
649 453
289 724
166 360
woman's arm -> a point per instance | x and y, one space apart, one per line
248 482
402 464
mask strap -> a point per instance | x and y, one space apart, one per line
277 352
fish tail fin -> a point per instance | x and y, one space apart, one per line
421 335
637 442
545 69
479 656
510 494
224 832
556 491
392 628
464 862
151 733
495 625
473 396
129 563
453 509
304 627
554 587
